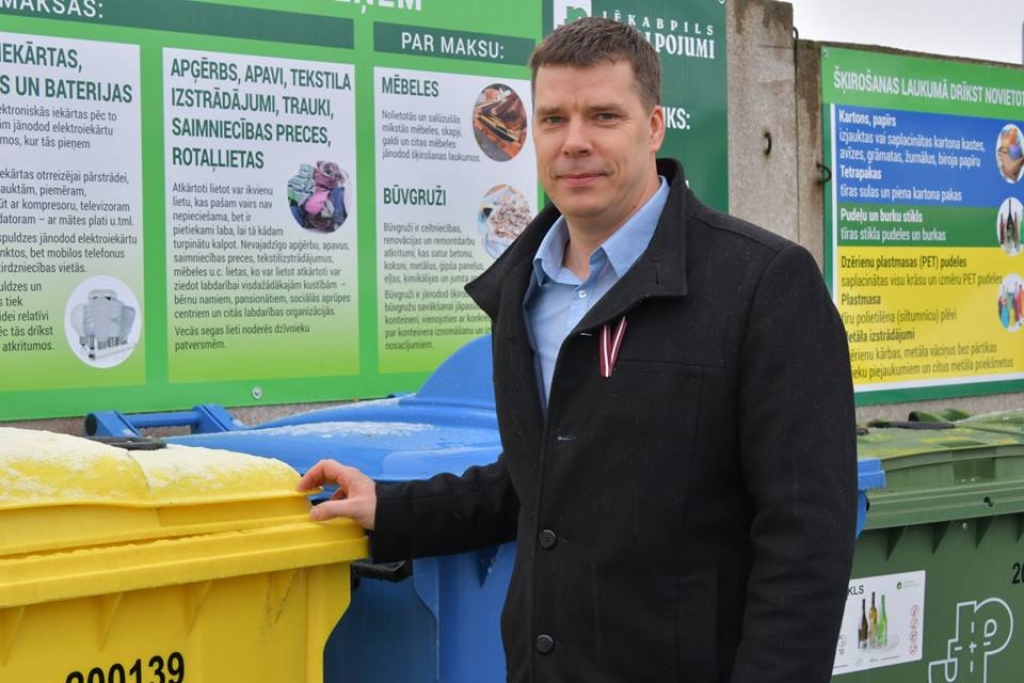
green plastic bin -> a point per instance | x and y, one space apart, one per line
937 590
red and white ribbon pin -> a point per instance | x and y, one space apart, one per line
610 345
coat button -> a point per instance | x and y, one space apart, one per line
548 539
545 644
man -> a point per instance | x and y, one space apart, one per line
675 405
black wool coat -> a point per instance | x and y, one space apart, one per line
689 518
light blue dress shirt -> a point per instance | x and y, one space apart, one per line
556 299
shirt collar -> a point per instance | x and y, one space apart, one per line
551 252
622 248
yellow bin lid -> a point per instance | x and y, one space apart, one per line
59 492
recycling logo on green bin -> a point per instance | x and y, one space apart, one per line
983 630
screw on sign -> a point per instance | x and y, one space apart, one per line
983 630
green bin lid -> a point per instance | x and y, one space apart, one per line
1008 422
935 475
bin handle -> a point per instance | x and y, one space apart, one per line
131 443
394 572
207 418
910 424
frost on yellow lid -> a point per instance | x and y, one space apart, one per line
38 467
58 490
183 473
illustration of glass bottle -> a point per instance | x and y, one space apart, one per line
862 632
882 635
873 623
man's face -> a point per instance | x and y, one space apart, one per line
595 142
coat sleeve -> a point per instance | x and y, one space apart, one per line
445 514
798 452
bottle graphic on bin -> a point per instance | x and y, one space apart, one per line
862 632
882 634
873 623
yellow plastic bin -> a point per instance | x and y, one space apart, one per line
178 565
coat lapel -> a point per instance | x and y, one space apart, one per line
514 360
499 292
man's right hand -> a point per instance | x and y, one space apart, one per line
356 497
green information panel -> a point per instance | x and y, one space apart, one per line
236 203
923 222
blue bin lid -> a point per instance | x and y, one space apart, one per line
449 425
397 449
870 474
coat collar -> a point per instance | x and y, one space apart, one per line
660 270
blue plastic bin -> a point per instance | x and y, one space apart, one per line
434 619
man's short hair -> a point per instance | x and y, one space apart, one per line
593 40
